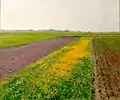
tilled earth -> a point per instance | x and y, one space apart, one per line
107 73
14 59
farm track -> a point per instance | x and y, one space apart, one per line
106 72
14 59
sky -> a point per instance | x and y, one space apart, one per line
83 15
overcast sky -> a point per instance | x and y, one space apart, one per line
85 15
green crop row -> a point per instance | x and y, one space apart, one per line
34 83
111 43
78 86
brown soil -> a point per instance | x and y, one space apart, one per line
14 59
106 73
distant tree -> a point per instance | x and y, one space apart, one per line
51 30
66 30
30 29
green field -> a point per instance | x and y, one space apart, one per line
66 74
16 39
60 75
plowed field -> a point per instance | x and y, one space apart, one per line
106 70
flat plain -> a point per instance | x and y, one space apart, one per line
59 66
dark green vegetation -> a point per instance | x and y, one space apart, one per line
78 86
111 43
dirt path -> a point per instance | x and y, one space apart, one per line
107 72
14 59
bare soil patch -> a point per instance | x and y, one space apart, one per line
14 59
106 73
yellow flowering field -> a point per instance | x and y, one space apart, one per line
66 74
